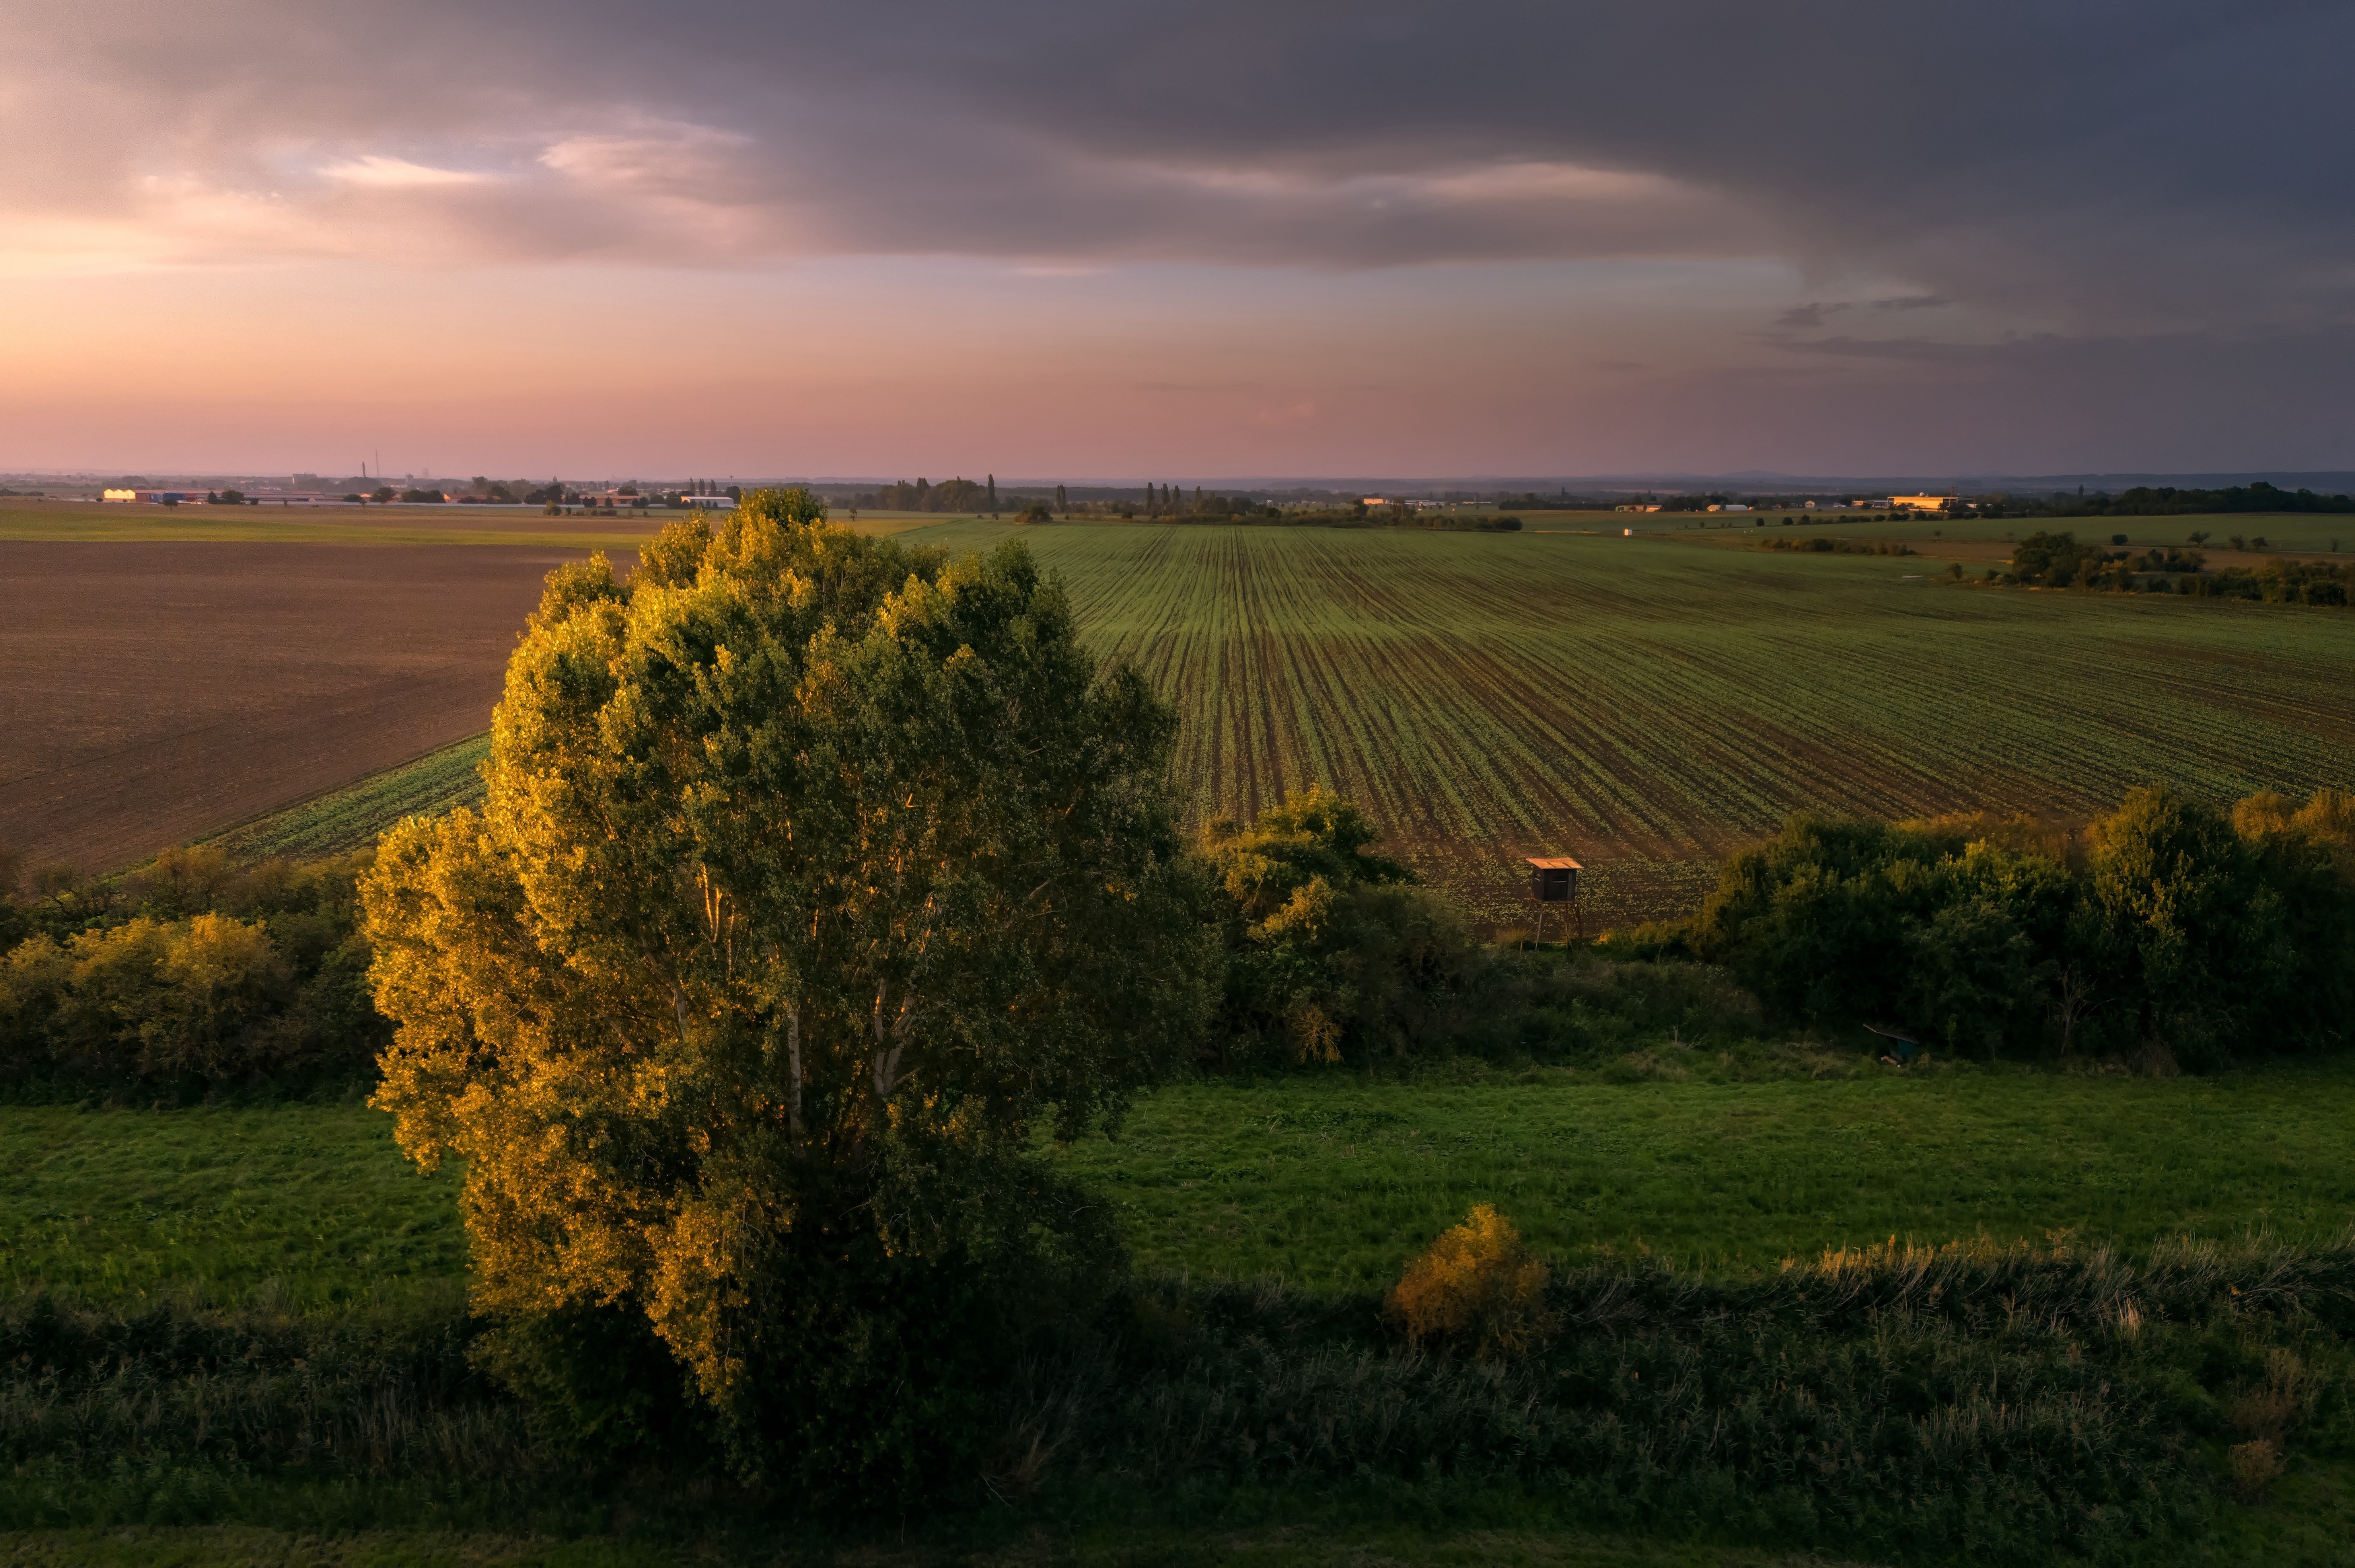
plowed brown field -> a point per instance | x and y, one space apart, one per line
153 693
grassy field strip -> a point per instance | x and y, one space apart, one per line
1645 705
1327 1183
1335 1183
352 817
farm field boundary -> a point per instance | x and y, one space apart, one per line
163 692
352 817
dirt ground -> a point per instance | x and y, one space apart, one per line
153 693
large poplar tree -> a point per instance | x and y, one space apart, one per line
815 875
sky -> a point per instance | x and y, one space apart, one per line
1139 239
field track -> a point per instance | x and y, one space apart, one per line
1645 703
160 692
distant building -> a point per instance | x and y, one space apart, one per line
1922 502
1373 501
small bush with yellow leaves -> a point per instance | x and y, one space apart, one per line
1476 1286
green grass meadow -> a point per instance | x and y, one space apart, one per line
1336 1184
1325 1183
311 1205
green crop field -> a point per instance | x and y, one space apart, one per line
1645 703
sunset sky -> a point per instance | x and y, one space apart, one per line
1049 238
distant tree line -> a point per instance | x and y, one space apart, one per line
2168 501
960 495
2060 560
1823 545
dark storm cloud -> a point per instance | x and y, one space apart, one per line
2152 166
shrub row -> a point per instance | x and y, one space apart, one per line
1334 954
2165 929
191 972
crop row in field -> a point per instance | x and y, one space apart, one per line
1643 704
354 816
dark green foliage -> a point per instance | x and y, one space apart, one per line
2276 582
2058 560
1335 954
193 972
1325 939
1575 1008
2167 501
2055 560
949 495
1824 545
194 1399
875 1378
2165 927
603 1388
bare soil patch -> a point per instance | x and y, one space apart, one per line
154 692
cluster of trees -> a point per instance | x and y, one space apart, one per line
190 973
949 495
2162 501
1821 545
2060 560
1171 502
1330 953
2167 501
2165 927
2276 582
1561 500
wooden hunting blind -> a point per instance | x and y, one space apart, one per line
1553 879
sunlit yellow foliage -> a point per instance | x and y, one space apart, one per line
812 871
1476 1285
